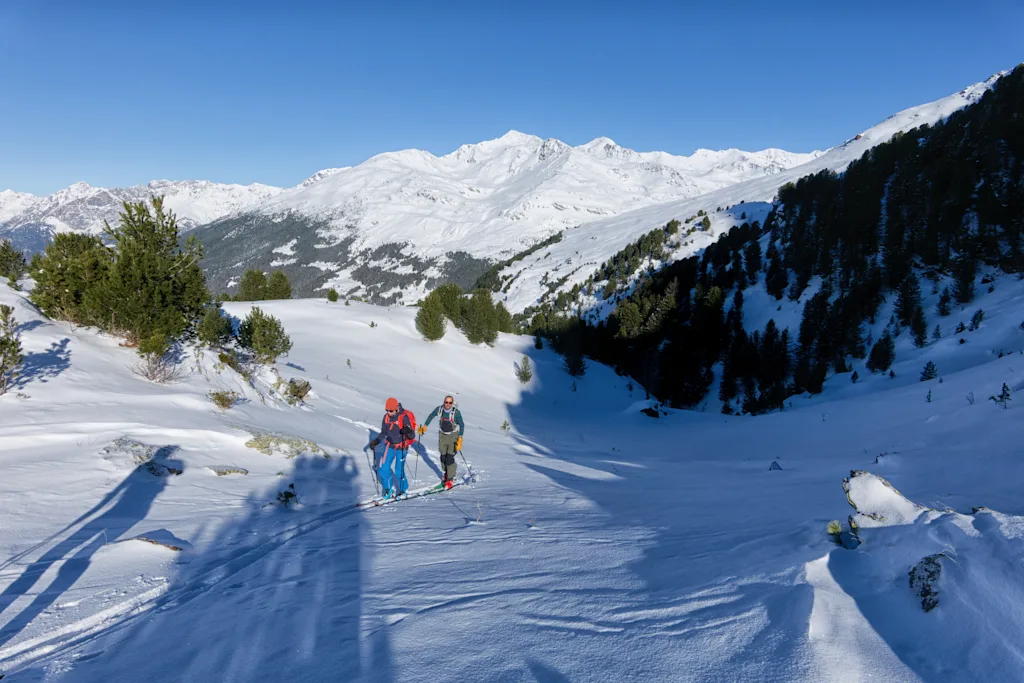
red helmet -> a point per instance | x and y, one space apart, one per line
391 404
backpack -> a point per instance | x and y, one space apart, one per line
443 418
410 420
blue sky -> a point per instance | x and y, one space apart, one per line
118 93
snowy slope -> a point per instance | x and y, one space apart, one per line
595 543
400 222
491 197
583 249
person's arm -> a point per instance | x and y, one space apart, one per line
432 415
458 421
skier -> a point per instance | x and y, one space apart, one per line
398 430
449 436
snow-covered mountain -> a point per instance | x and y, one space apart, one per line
583 249
83 208
398 224
394 224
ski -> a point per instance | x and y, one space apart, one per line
418 493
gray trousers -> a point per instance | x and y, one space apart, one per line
446 444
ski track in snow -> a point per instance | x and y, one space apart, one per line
595 544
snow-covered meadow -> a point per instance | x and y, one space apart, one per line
596 543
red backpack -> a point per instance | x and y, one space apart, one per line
411 421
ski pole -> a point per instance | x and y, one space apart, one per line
472 477
373 470
416 468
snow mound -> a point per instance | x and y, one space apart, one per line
877 502
943 590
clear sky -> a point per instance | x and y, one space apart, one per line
117 93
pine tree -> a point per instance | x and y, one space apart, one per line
1004 397
264 335
332 294
706 223
451 300
154 284
777 277
610 288
11 356
430 320
752 258
214 327
72 265
253 286
524 372
882 355
965 272
908 299
945 299
929 372
479 318
854 377
918 327
12 262
278 286
976 319
503 319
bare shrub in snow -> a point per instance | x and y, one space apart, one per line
157 364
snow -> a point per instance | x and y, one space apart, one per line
596 543
583 248
287 249
494 197
83 208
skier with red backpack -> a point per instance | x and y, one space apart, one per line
398 431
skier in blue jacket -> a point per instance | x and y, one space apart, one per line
398 430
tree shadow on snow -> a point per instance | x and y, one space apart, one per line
704 567
28 326
43 366
109 520
274 594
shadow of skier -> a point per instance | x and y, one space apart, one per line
131 501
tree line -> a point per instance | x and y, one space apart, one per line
930 205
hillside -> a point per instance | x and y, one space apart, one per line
582 250
912 229
592 542
401 222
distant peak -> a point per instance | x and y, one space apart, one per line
600 142
516 137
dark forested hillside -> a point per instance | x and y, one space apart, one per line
935 201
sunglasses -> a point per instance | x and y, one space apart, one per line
447 403
392 411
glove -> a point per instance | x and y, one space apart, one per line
458 444
408 433
421 430
374 444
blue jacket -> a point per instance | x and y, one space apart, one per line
448 420
399 431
